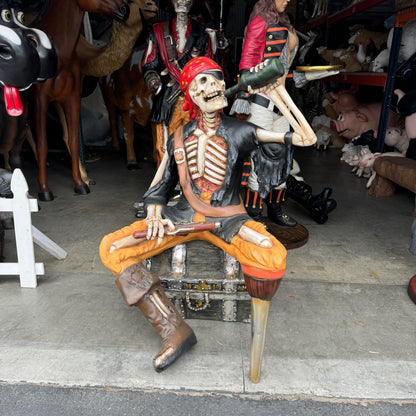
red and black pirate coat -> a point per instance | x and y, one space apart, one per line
197 44
263 42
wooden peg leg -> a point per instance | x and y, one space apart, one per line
259 317
261 292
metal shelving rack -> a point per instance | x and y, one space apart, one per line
379 8
363 11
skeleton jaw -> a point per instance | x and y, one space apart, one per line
207 92
214 101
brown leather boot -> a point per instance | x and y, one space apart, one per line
141 288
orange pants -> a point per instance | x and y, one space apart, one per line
255 261
179 118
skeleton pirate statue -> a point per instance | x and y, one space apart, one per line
206 157
171 45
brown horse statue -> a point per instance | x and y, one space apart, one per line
125 94
62 21
99 61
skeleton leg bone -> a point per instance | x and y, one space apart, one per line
251 236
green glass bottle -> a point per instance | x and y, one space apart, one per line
268 74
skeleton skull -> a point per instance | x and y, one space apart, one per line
182 6
207 91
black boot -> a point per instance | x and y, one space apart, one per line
274 209
275 213
319 206
254 205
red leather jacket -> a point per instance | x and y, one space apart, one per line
262 42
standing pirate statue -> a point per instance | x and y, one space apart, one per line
206 157
269 34
171 45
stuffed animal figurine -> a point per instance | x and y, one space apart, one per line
366 139
407 47
323 139
325 136
345 57
397 138
367 161
381 61
352 124
344 100
327 103
351 154
359 34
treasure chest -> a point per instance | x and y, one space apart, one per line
203 282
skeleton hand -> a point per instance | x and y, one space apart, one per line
155 223
314 75
298 140
257 68
267 88
260 66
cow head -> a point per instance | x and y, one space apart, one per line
26 55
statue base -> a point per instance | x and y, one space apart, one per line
290 237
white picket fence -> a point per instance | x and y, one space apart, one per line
26 234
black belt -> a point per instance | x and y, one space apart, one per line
264 102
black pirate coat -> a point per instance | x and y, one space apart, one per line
241 138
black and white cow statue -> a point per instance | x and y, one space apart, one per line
26 56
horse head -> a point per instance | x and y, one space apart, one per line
114 9
26 55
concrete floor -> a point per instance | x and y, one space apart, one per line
341 324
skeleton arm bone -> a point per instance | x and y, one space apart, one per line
280 97
268 136
159 173
276 91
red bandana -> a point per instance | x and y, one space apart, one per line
190 71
